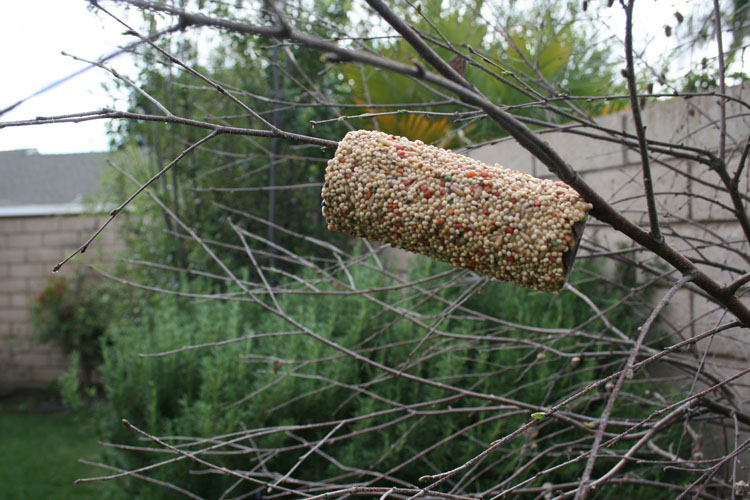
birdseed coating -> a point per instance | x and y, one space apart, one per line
492 220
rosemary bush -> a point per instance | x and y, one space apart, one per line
271 381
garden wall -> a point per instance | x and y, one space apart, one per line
29 249
690 206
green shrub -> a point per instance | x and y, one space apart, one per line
269 381
73 313
70 387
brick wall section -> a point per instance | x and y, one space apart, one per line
692 223
29 248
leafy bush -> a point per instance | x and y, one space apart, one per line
73 313
70 386
264 381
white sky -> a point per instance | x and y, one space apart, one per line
32 35
34 32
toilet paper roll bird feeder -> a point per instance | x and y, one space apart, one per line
492 220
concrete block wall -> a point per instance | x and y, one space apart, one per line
29 249
695 213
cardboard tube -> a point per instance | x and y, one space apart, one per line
492 220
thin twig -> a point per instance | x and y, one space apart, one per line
722 83
640 129
627 373
142 477
124 204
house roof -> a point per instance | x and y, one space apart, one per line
37 184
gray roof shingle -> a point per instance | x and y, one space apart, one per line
29 179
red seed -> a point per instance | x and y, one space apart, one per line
479 254
458 226
509 230
509 258
406 182
513 200
486 212
537 203
484 173
401 153
427 194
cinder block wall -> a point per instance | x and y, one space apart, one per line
29 249
691 219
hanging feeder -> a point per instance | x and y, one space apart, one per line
492 220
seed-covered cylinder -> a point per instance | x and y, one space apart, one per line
492 220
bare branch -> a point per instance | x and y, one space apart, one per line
638 123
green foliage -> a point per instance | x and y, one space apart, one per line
545 54
262 381
70 385
202 183
705 78
73 313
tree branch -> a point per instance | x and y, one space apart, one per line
640 130
525 137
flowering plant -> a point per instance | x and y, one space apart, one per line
72 313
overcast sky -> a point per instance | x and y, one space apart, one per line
32 35
34 32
